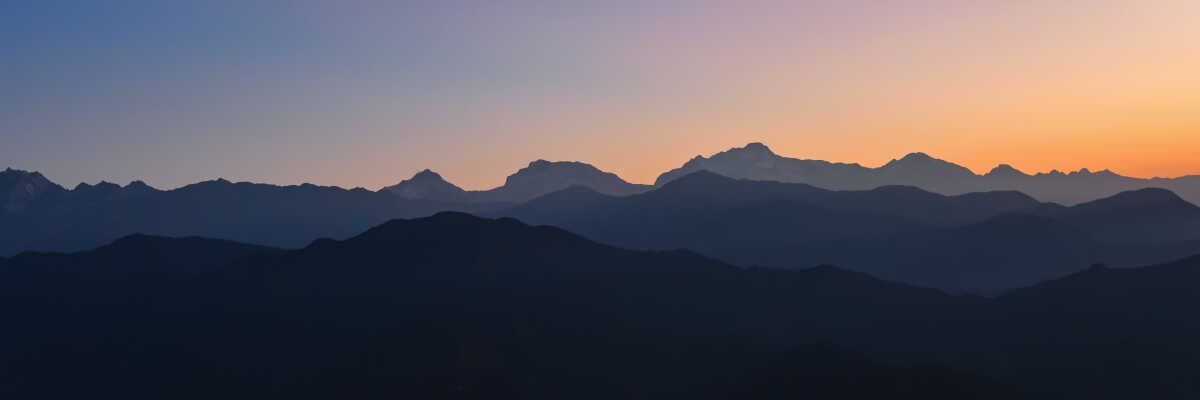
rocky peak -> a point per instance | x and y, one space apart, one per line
427 185
542 177
1005 170
923 165
427 175
19 189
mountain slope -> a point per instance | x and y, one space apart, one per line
457 306
450 305
1121 319
1141 216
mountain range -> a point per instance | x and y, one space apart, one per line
978 242
51 218
756 161
981 242
455 306
539 178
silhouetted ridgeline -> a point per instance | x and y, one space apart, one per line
539 178
454 306
987 241
40 215
51 218
979 242
757 162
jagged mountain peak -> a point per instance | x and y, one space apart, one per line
428 185
564 168
922 168
542 165
426 174
10 171
757 147
1053 172
917 156
542 177
139 186
19 189
1005 170
12 176
755 150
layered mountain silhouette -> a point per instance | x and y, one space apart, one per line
539 178
40 215
757 162
977 242
455 306
53 219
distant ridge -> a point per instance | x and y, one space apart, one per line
981 242
540 177
427 185
756 161
42 216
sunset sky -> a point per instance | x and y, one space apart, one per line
366 93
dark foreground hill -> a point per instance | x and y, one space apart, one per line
454 306
986 242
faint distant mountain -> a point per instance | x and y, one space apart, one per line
53 219
757 162
1083 185
428 185
542 177
984 242
921 170
20 188
537 179
702 190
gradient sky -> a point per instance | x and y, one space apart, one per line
366 93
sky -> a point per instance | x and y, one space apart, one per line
367 93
